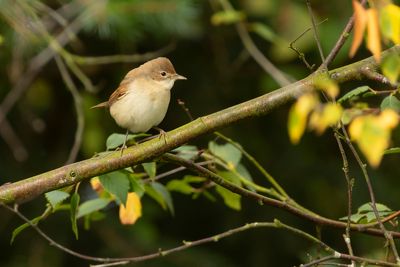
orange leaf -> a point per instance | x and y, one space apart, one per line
132 210
374 37
360 21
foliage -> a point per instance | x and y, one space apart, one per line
153 194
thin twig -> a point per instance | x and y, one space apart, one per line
78 108
268 201
315 31
363 168
349 257
161 253
259 57
340 42
349 181
12 140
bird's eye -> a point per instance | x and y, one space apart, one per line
163 73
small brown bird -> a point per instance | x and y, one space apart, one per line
142 98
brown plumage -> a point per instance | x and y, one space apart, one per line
156 66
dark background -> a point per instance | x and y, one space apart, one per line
209 56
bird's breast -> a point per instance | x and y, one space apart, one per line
139 110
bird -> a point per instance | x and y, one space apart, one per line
142 98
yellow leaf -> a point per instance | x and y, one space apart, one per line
390 22
132 210
374 37
328 116
372 134
96 185
360 21
388 119
329 86
298 116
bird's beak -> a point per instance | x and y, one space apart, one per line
179 77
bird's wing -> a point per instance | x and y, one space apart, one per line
123 86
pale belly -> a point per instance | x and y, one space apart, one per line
138 112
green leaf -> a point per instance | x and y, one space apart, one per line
150 168
116 140
232 200
116 183
242 170
194 179
160 194
56 197
355 92
136 184
92 205
186 151
180 186
22 227
393 150
391 102
391 67
227 152
73 211
227 17
264 31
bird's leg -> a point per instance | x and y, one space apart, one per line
162 133
124 144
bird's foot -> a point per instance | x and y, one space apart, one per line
162 134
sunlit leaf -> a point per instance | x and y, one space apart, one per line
328 85
390 22
132 210
56 197
328 116
376 130
366 214
117 184
298 116
92 205
227 17
353 93
374 37
73 212
391 102
227 152
360 22
391 67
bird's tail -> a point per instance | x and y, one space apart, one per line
101 105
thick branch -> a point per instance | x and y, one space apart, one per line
32 187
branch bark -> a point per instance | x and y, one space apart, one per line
32 187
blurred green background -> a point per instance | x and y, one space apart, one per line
220 74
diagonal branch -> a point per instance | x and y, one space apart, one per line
32 187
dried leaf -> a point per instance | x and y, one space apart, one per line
328 116
372 134
132 210
374 37
360 21
298 116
